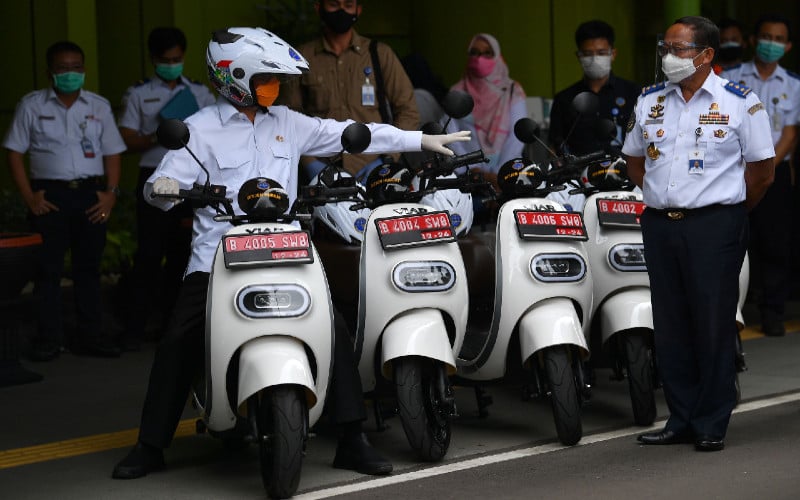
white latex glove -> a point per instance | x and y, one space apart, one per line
166 186
436 143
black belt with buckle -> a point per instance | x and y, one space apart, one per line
681 213
82 183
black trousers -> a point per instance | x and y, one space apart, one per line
180 357
694 266
162 237
68 228
771 241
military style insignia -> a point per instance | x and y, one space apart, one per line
714 118
660 132
661 98
656 111
631 122
784 97
714 107
720 134
652 152
738 89
755 107
279 138
645 135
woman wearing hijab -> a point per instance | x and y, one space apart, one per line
499 103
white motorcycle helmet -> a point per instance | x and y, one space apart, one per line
234 55
456 203
348 224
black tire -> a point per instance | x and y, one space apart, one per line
562 381
639 364
283 419
426 419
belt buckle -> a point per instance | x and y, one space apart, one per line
73 184
675 215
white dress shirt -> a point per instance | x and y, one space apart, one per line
235 150
720 127
52 134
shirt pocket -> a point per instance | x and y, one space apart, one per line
719 144
235 168
48 133
654 138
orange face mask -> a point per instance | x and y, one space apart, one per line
267 93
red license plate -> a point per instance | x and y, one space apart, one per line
267 248
413 230
533 225
619 213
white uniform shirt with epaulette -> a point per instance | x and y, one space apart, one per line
780 93
52 135
695 152
234 150
142 102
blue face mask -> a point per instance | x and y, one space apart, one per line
68 82
769 51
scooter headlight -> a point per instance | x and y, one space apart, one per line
557 267
424 276
627 257
273 301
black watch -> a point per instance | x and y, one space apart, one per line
113 189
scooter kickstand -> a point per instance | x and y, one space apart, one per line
483 400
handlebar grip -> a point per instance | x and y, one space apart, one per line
462 160
586 159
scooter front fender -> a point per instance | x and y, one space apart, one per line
626 310
551 322
419 332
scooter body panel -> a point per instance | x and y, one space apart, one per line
307 317
519 294
382 301
416 333
624 310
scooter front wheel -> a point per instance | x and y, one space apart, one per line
641 376
562 381
425 402
282 421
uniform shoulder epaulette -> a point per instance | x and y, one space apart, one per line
141 82
653 88
738 89
793 74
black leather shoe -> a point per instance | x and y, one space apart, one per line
141 460
356 453
708 443
663 437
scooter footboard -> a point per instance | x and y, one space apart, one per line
275 360
551 322
626 310
420 332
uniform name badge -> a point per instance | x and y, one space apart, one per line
87 147
696 158
367 94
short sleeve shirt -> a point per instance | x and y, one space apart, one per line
695 152
64 143
141 104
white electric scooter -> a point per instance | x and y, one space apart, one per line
269 328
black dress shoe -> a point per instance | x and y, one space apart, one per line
141 460
708 443
663 437
356 453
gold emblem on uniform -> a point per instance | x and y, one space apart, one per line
660 132
645 135
755 107
279 138
784 96
652 152
656 111
714 107
661 98
631 122
720 134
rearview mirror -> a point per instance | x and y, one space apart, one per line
356 138
457 104
586 103
173 134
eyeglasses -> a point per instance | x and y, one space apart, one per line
591 53
478 53
664 48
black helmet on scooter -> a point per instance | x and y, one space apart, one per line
263 197
515 178
388 182
609 176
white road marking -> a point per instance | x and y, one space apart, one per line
516 454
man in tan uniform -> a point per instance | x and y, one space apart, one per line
342 83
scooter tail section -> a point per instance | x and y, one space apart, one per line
626 310
551 322
419 332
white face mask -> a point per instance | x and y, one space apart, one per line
596 67
677 69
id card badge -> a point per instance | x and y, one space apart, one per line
367 94
87 147
696 158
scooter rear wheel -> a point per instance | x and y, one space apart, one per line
422 392
562 381
282 420
641 376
